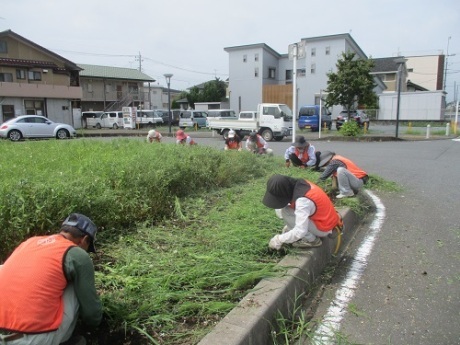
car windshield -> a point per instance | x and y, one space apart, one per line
286 111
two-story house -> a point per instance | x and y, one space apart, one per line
34 80
111 88
157 96
257 73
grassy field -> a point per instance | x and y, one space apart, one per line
182 231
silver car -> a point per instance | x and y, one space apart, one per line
35 126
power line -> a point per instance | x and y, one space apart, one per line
137 57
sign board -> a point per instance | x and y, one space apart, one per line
129 117
297 49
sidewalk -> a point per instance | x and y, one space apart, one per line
311 136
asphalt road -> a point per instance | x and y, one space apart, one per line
409 292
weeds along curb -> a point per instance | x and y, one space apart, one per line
250 322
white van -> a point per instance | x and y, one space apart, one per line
109 119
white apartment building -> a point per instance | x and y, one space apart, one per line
258 74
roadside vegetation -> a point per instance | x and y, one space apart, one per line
182 235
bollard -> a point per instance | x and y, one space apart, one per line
428 131
365 127
447 129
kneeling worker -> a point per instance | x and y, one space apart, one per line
307 211
46 283
350 178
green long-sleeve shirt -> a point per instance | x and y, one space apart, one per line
79 270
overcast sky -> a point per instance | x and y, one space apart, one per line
187 38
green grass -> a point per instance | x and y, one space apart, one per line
182 235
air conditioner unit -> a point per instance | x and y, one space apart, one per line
45 71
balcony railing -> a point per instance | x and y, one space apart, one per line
39 90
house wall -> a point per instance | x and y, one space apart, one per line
415 106
245 89
426 71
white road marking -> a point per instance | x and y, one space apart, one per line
330 323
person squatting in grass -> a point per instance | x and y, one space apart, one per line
154 137
301 153
256 144
184 139
46 283
348 177
306 210
233 141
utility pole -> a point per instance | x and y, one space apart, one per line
445 69
139 58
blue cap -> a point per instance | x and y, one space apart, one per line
85 225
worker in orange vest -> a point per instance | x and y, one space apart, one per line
46 283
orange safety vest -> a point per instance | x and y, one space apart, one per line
352 167
303 156
233 144
258 143
32 282
325 217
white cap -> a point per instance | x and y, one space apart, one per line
152 133
231 133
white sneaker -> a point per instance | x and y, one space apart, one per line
348 195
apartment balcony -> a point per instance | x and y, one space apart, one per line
25 90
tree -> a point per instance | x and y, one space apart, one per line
212 91
352 85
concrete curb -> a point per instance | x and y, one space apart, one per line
249 323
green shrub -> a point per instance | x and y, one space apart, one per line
350 129
116 183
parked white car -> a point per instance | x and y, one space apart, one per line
35 126
109 119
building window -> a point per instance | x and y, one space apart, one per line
33 107
245 58
410 70
328 50
301 72
256 72
271 73
33 75
313 68
8 77
256 57
3 47
20 74
133 88
288 75
313 51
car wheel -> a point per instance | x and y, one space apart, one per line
15 135
225 133
115 126
267 134
62 134
98 125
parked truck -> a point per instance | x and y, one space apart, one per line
272 121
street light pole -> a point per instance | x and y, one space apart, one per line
400 62
168 81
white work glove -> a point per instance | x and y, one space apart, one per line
275 243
